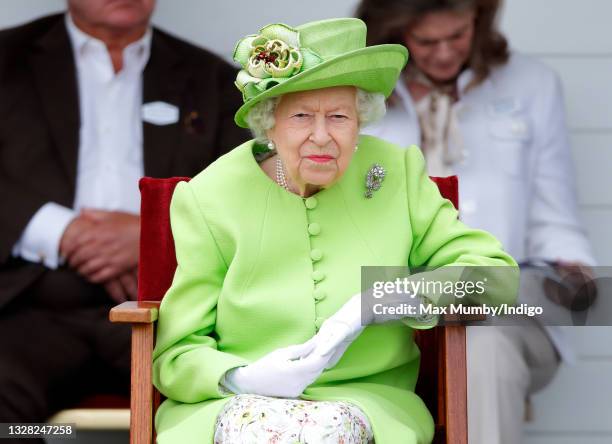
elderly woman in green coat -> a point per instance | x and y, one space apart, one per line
261 338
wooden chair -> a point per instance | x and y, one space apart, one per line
442 377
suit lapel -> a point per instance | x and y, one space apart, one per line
54 72
164 81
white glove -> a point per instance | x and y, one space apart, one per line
283 373
339 331
344 326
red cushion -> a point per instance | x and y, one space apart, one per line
157 255
449 188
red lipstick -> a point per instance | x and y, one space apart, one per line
320 158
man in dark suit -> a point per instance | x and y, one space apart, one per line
89 101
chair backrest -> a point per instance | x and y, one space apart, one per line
157 261
157 255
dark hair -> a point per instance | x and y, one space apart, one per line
387 21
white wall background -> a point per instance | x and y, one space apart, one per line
573 37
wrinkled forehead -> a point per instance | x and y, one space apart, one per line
321 99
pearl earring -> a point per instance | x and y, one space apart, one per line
271 146
356 147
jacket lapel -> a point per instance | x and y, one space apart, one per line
54 73
163 81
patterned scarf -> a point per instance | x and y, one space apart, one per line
441 139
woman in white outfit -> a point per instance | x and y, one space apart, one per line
496 119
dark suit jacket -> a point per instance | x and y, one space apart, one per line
40 119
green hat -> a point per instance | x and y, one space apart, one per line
321 54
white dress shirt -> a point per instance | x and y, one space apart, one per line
110 157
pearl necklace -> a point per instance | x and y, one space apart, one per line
281 179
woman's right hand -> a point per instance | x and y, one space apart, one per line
283 373
340 330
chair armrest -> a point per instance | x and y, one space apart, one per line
142 315
138 312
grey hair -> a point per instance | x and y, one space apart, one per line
371 108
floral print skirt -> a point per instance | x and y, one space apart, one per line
257 419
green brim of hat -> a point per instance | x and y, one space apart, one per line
373 69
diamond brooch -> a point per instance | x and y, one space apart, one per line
374 179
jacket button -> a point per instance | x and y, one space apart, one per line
316 254
317 275
314 228
319 294
311 203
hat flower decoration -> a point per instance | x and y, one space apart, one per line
269 58
281 59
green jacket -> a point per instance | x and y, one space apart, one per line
260 268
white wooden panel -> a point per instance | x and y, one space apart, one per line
207 21
588 91
591 343
218 25
15 12
598 223
577 400
573 438
592 152
559 26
